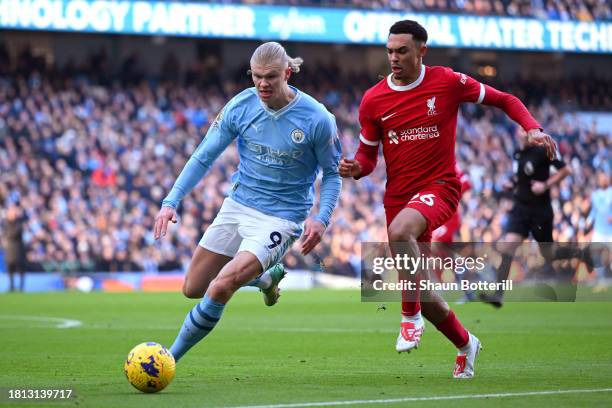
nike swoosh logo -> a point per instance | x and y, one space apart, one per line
387 117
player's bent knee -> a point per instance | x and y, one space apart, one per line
222 289
192 292
217 289
224 286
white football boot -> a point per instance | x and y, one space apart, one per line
464 364
410 334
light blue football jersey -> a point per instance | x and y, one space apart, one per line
281 153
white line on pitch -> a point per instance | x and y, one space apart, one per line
435 398
242 329
58 322
324 330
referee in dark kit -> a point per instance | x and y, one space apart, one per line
532 211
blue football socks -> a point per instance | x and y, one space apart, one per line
199 322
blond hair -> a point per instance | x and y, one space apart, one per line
271 52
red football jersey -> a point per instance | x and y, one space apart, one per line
416 125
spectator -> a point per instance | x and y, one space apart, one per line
14 248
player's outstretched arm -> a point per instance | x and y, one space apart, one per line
517 111
220 134
327 151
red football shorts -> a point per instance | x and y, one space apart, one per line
446 232
437 203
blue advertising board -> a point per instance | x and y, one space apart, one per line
300 24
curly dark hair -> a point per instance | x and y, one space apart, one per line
410 27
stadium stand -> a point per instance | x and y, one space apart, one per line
90 159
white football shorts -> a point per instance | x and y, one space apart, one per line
239 228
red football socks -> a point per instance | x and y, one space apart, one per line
452 328
411 301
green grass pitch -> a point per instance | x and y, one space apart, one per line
313 346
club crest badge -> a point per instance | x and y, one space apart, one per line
297 136
431 106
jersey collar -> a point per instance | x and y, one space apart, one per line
409 86
277 113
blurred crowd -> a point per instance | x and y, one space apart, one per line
88 161
582 10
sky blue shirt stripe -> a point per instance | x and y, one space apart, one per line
281 153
